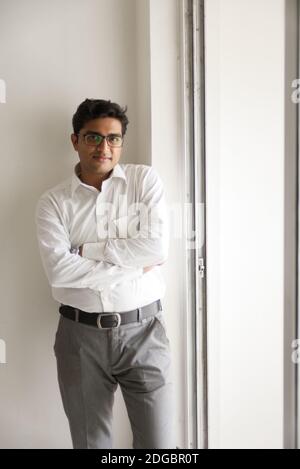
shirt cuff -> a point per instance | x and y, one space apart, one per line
94 251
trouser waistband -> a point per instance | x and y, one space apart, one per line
110 320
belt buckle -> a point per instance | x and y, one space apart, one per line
112 314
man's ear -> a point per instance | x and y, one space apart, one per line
74 140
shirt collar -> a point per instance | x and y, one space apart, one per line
117 172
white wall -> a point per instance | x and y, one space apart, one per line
247 156
143 78
52 56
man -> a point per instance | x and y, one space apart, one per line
102 237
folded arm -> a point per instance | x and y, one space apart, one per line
67 270
148 245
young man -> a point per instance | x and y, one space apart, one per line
102 236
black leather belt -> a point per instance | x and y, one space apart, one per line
109 320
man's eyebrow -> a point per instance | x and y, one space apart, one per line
92 132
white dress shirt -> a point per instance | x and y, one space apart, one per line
123 228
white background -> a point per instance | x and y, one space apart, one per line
55 54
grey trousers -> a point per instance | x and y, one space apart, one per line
91 362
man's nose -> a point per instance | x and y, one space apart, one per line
103 145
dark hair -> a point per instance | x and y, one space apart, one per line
94 108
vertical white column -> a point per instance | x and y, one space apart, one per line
248 157
167 157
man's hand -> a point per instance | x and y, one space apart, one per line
146 269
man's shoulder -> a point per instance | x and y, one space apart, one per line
60 190
143 180
137 171
134 168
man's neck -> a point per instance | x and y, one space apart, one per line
92 180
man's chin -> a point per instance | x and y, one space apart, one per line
102 166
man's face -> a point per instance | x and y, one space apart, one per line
90 155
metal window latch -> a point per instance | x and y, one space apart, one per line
201 267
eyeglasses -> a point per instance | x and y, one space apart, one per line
113 140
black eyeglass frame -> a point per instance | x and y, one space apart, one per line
102 138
